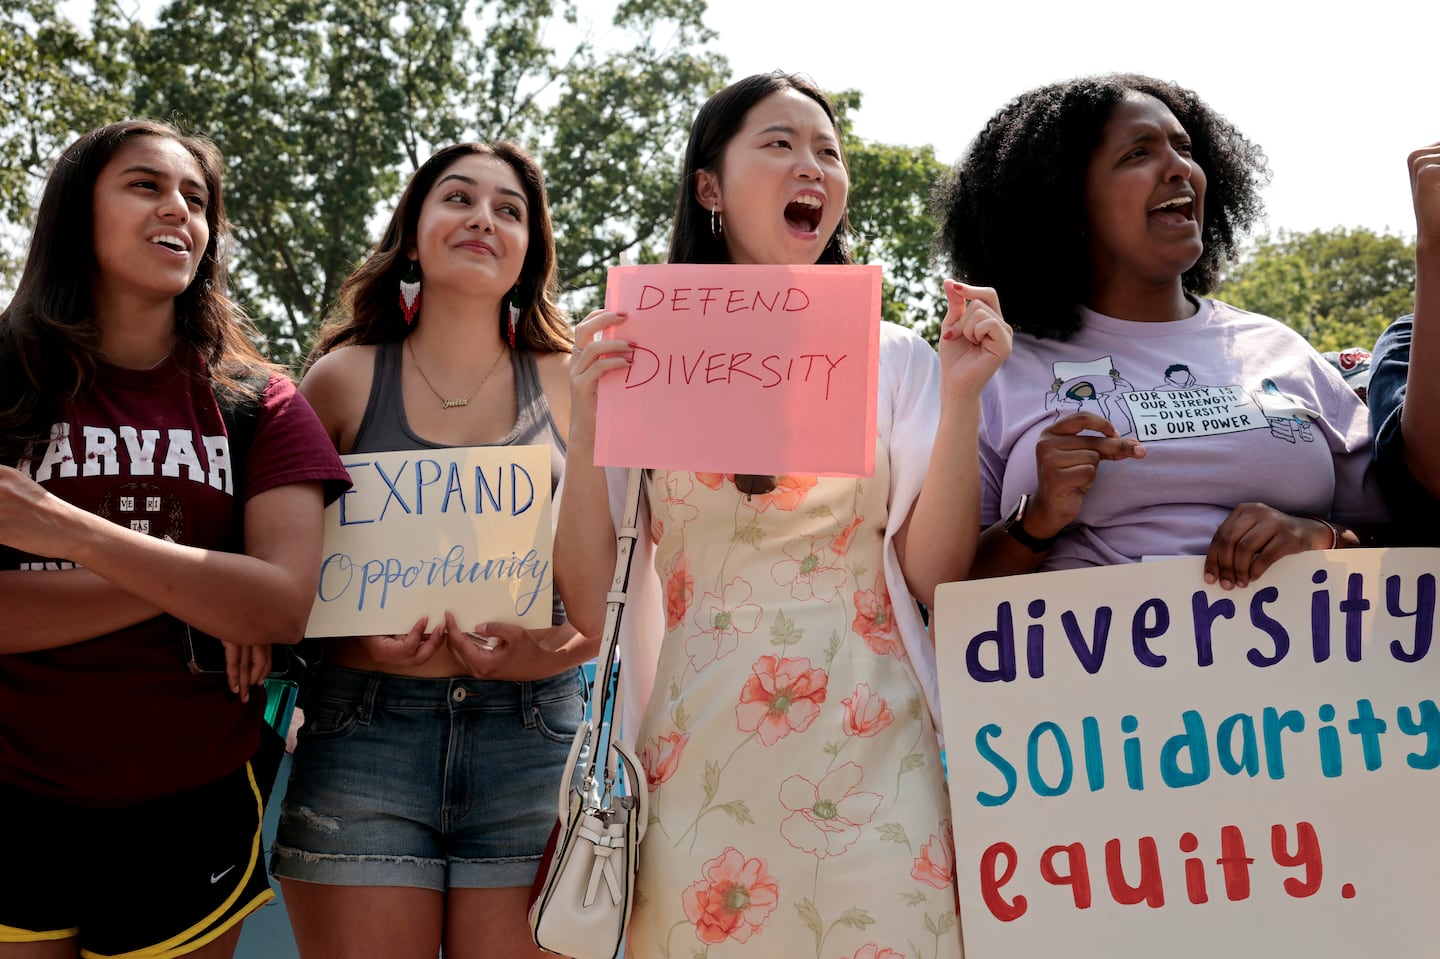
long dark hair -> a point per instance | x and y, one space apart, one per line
1013 210
49 340
716 124
369 308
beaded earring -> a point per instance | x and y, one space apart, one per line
410 293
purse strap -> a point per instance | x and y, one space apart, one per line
607 666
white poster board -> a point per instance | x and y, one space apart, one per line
1141 765
426 531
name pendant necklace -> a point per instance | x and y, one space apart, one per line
452 403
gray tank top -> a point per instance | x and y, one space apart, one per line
384 427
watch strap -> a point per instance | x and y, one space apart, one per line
1015 529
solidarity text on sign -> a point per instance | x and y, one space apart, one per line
426 531
744 369
1144 765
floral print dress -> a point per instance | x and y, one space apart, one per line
797 805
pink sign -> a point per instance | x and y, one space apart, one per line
744 369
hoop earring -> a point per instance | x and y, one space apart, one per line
513 309
410 293
717 222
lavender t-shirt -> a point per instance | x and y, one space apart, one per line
1232 408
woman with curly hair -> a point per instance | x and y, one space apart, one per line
132 519
1136 418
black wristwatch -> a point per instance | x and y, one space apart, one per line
1014 526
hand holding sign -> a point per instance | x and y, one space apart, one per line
503 651
1253 537
592 359
407 649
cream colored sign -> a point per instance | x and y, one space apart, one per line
423 532
1143 765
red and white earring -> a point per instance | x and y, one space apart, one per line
410 293
513 309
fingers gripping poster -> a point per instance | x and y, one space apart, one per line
1144 765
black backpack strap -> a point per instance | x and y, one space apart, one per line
241 411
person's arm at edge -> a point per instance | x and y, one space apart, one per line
46 609
570 646
584 530
974 342
212 590
1421 412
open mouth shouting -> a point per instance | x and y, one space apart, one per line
1176 211
803 213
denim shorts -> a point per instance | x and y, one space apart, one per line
428 783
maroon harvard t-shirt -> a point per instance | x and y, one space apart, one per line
120 719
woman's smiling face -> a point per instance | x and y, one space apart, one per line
473 229
150 230
1144 197
781 185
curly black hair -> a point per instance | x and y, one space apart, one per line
1012 211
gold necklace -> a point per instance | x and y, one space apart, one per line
452 404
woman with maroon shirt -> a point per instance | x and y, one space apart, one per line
132 813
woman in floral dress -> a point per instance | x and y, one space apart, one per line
781 701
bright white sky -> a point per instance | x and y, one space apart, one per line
1336 93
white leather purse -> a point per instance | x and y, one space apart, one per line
580 903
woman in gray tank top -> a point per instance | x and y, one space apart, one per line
423 782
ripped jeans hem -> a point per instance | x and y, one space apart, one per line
416 872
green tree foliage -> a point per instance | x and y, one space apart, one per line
889 211
615 139
55 82
1339 288
310 100
324 107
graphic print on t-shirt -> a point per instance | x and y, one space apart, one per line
137 478
1179 407
1092 387
126 451
1287 418
145 508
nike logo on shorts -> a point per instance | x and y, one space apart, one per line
217 876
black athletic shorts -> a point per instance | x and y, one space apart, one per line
159 879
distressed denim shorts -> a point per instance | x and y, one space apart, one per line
428 783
